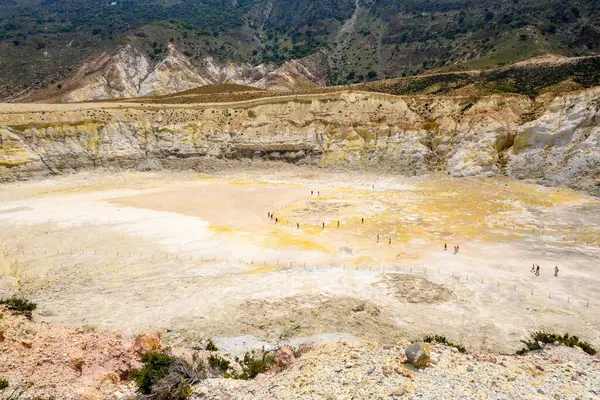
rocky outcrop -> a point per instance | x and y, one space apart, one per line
132 73
298 74
551 140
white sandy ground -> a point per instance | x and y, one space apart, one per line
197 255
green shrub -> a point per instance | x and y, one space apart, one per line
443 340
156 367
547 338
20 306
218 363
251 366
210 346
165 377
3 383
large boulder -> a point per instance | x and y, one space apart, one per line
417 354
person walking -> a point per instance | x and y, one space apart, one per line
297 225
323 225
537 270
362 220
277 220
390 242
556 270
445 246
377 238
338 224
532 268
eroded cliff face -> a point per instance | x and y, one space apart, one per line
552 140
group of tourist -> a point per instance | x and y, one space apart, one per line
456 248
535 269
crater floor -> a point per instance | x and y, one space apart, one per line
196 256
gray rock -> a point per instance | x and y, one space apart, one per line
417 354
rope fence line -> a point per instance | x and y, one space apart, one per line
421 271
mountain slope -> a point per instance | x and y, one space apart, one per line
44 43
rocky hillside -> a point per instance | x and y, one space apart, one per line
549 139
46 46
131 73
41 361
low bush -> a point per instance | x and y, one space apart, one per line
165 377
251 366
20 306
548 338
443 340
156 367
3 383
218 363
210 346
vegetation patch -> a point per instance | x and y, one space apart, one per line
539 338
443 340
252 366
20 306
210 346
218 363
156 367
3 383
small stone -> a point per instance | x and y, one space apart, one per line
354 355
27 343
111 377
348 364
305 348
417 354
284 357
147 342
401 390
469 369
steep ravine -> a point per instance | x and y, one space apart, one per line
411 135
